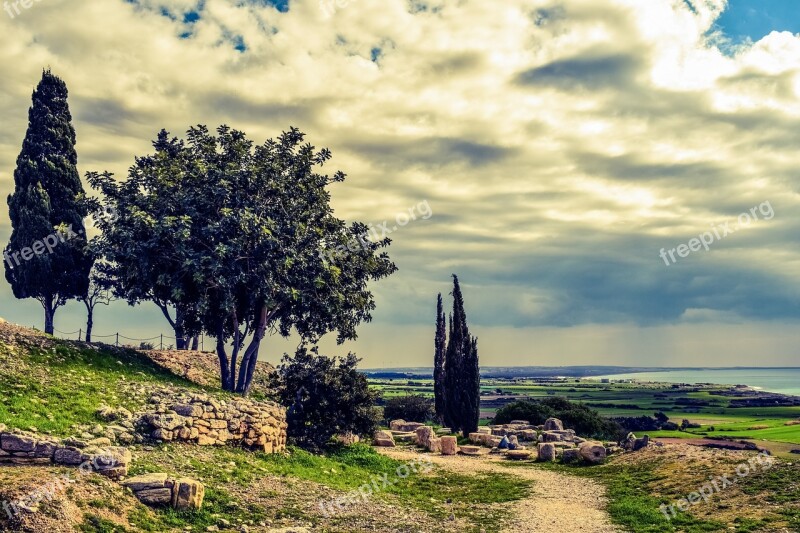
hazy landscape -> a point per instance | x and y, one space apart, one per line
284 266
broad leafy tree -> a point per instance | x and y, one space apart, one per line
240 239
47 257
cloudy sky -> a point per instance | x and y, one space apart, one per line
559 144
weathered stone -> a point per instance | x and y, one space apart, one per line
68 456
204 440
570 455
45 450
547 452
434 445
592 452
17 443
638 444
519 455
162 434
154 496
424 435
165 421
190 410
550 436
470 450
402 425
146 481
553 424
188 494
449 445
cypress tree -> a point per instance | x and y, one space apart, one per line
47 257
462 374
440 340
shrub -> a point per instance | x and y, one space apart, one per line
585 421
324 396
411 407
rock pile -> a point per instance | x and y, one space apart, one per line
207 421
21 448
159 489
550 441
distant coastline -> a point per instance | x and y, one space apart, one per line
780 380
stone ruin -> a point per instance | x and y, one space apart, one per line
159 489
546 442
206 421
24 448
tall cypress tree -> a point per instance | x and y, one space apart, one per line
440 341
462 373
48 201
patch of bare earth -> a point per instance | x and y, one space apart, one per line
65 498
557 502
199 367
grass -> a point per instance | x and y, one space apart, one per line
54 389
344 469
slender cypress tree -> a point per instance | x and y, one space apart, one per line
47 257
440 341
462 373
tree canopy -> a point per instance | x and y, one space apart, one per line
241 239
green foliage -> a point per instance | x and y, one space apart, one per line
440 341
324 396
410 407
584 420
242 240
48 197
462 372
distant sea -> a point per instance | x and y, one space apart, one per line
781 380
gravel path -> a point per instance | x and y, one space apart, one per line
558 502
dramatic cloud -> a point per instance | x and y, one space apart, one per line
560 145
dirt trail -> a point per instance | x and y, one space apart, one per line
558 502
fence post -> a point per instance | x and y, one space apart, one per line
80 332
162 342
117 340
202 342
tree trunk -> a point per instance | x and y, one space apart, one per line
49 314
224 369
250 357
195 343
181 342
89 324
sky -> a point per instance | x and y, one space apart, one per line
614 181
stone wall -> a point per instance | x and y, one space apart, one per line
22 448
207 421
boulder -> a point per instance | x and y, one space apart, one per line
435 445
68 455
402 425
592 452
519 423
553 424
449 445
470 450
165 421
188 494
547 452
384 439
146 482
162 496
570 455
638 444
551 436
424 435
17 443
519 455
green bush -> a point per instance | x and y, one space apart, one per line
585 421
410 407
324 396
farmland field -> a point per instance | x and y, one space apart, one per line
721 411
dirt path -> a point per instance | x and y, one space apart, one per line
558 502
